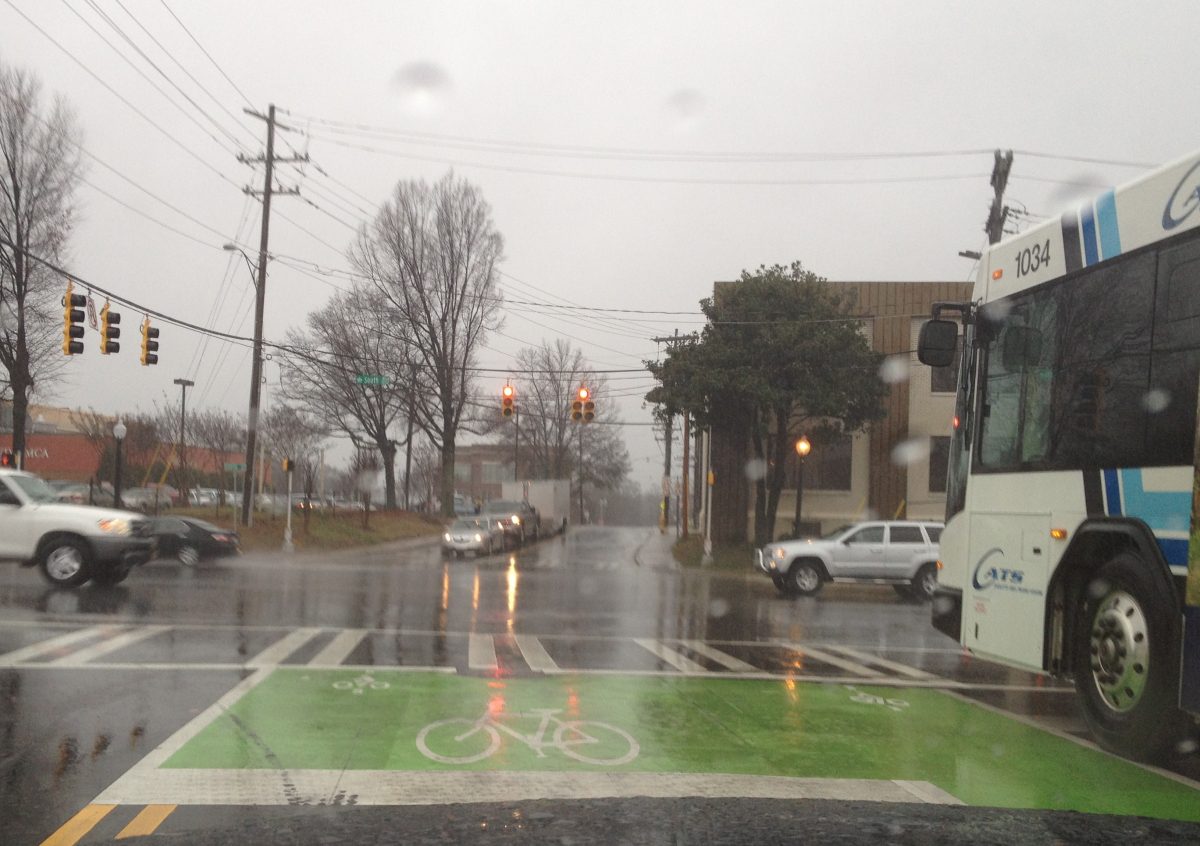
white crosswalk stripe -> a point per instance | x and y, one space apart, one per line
535 654
878 661
282 648
55 643
109 646
675 659
338 649
481 652
833 660
726 660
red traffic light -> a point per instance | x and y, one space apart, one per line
7 459
584 393
508 391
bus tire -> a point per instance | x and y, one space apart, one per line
1127 660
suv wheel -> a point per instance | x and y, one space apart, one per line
804 578
65 562
924 583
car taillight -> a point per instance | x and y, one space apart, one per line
221 537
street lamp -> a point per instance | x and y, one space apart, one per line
803 448
260 286
183 475
119 432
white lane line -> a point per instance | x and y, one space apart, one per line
675 659
176 667
107 647
390 787
832 660
894 666
726 660
54 643
282 648
481 652
535 654
338 649
147 769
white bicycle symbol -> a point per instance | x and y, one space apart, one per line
467 741
871 699
360 684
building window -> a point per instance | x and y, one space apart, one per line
939 463
462 472
828 467
493 473
943 379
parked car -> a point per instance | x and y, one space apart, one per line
145 500
202 497
192 540
71 543
901 553
481 535
521 521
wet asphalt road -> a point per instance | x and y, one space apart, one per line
94 679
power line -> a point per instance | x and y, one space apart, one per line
207 54
120 97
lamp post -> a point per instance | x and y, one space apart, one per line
183 474
119 432
260 284
803 448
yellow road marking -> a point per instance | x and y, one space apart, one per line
147 821
76 827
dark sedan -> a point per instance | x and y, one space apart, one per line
191 540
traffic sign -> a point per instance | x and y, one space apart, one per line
234 467
371 379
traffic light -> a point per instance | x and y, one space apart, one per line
109 332
583 408
149 345
7 459
508 400
73 321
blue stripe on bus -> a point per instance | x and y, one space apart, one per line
1163 511
1110 234
1174 550
1112 493
1088 219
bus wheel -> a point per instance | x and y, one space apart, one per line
1127 660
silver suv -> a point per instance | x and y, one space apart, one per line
901 553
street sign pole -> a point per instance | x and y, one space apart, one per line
287 531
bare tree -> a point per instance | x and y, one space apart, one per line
96 428
288 432
432 252
353 335
220 432
39 170
549 447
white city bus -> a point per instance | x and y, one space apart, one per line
1072 465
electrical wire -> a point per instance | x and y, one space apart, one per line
207 54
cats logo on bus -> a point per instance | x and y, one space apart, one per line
1185 199
986 577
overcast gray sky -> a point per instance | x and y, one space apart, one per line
558 110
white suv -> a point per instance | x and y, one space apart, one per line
902 553
71 543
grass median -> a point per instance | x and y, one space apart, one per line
690 553
322 530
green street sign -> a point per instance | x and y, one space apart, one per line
234 467
371 379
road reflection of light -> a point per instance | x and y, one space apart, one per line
445 586
511 594
495 705
572 702
790 683
475 593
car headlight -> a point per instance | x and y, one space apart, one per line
114 526
478 538
778 552
446 537
516 520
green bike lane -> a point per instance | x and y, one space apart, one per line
354 736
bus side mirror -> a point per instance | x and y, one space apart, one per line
937 343
1020 348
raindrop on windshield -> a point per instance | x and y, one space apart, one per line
684 108
422 87
756 469
718 608
910 451
894 369
1156 400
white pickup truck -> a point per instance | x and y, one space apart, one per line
901 553
71 543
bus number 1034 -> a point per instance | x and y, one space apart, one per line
1031 259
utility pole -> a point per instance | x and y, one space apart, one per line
666 485
269 188
516 442
183 474
412 410
581 474
998 213
672 341
684 511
